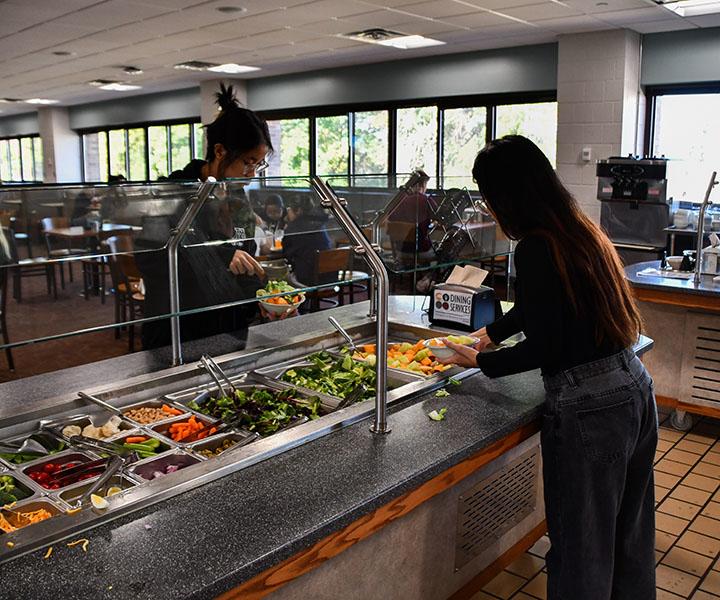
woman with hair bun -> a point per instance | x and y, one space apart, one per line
238 141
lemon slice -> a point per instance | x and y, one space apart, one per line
113 490
98 502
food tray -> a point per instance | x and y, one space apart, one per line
22 438
71 494
242 438
328 403
28 506
143 470
84 420
166 444
161 429
27 485
454 370
59 458
151 404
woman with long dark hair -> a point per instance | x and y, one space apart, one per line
580 322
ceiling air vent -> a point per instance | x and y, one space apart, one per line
195 65
374 35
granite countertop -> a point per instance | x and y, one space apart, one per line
210 539
706 288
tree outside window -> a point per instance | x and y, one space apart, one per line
463 137
158 143
136 150
333 152
291 140
417 139
537 122
370 145
118 152
180 150
38 156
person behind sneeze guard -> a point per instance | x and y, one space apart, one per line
580 322
238 141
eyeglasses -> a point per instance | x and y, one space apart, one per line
251 167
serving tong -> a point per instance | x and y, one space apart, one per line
207 363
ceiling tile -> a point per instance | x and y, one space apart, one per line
478 20
499 5
112 13
378 18
706 21
637 15
592 7
426 27
546 10
573 24
660 26
439 9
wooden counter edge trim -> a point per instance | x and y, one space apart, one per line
274 578
695 409
681 299
476 584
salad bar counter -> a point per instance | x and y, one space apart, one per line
133 446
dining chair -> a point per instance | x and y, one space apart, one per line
59 249
29 267
125 276
330 266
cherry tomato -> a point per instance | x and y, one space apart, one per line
49 468
33 475
55 486
42 476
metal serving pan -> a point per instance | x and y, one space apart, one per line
143 470
237 437
69 495
150 404
29 506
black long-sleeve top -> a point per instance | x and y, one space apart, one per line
556 338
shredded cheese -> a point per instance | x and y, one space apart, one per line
48 553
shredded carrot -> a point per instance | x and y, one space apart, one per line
48 553
5 525
76 542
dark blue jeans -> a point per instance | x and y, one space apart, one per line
598 443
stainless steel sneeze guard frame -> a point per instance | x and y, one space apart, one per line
176 236
380 292
174 383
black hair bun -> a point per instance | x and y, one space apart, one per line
225 98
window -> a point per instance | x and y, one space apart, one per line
370 142
199 135
417 139
180 150
136 154
141 153
463 137
21 159
686 130
118 153
158 142
537 122
291 140
333 150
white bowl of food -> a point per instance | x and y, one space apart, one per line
276 304
440 350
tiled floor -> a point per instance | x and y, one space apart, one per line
687 544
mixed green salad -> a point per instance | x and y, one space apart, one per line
260 409
280 287
334 376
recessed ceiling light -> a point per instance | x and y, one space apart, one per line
232 68
41 101
63 53
119 87
385 37
408 42
691 8
231 9
130 70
